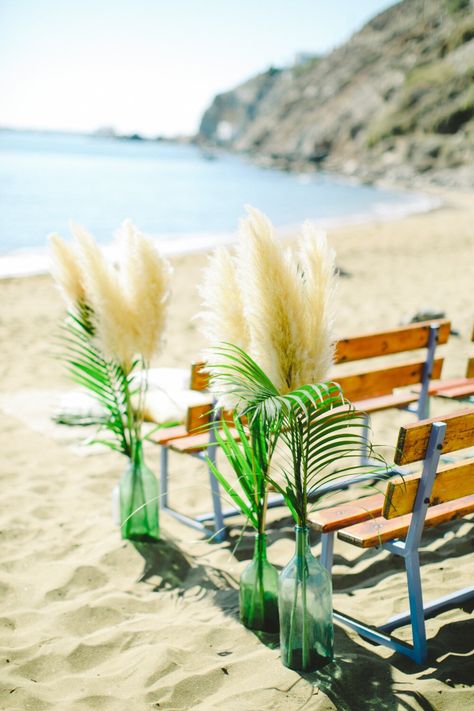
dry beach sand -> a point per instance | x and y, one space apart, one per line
90 622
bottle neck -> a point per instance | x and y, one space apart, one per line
260 548
302 540
137 455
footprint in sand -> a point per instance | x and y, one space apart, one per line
88 656
42 667
87 619
85 577
90 703
7 625
45 512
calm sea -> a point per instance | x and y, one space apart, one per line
175 192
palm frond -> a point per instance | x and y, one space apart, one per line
105 380
250 460
319 428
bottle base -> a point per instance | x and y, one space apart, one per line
315 661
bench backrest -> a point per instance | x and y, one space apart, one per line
199 376
413 438
361 385
425 441
374 383
452 481
199 417
371 345
397 340
382 381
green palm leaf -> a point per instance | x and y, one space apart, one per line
318 427
105 380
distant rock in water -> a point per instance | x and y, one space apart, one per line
131 137
394 101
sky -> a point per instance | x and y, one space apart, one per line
151 66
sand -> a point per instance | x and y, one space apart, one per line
88 621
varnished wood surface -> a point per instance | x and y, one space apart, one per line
413 438
199 378
385 402
167 433
464 389
198 416
453 481
380 530
396 340
196 443
337 517
375 383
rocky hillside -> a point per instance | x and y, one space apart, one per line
396 101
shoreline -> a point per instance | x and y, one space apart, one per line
27 262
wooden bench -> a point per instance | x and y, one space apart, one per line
395 521
391 386
456 388
371 391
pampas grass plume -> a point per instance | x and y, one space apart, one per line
274 303
272 297
222 316
146 279
317 263
66 270
112 316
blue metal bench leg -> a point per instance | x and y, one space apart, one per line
219 526
327 548
423 410
415 596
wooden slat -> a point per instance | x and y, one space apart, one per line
163 436
199 378
461 390
397 340
227 416
385 402
195 443
436 385
380 530
453 481
413 438
470 368
198 416
336 517
373 383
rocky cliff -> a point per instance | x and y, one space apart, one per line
396 101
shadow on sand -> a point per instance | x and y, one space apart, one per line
358 677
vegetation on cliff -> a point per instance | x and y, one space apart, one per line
396 100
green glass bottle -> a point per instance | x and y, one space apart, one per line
139 502
305 604
259 590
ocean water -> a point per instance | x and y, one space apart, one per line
174 192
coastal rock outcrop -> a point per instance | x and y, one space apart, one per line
396 101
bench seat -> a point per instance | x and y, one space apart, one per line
336 517
163 436
379 530
196 443
458 390
385 402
